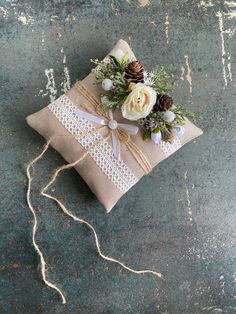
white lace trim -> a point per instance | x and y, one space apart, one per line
116 170
169 148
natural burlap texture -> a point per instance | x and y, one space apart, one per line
47 124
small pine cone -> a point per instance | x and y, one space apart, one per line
144 123
148 123
167 136
134 72
163 102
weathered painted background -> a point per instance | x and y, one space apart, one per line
180 220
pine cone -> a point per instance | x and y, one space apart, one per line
163 102
148 123
167 136
134 72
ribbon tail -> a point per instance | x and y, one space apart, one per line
115 144
129 128
90 117
110 114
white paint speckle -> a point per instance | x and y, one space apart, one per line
53 18
190 212
70 17
25 19
43 38
222 284
4 12
232 6
225 56
167 23
220 16
186 74
153 23
51 86
65 85
143 3
206 4
182 73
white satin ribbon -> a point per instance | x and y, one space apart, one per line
112 125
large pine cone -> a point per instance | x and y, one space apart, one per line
163 102
134 72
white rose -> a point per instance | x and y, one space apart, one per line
139 102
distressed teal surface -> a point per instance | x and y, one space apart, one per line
179 220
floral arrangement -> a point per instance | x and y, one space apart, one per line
141 96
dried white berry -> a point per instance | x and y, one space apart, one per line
169 116
107 84
156 137
119 54
178 130
104 99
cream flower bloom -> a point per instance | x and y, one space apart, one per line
139 102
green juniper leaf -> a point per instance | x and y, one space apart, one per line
146 135
114 59
124 58
163 80
181 122
157 130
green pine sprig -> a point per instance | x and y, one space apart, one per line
181 113
163 80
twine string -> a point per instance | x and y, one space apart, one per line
30 165
138 155
35 224
82 221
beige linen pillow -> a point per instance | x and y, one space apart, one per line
108 177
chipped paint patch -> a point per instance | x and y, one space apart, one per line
186 74
167 23
225 56
153 23
53 18
182 73
50 89
232 6
25 19
114 7
51 86
65 85
190 212
4 12
70 17
222 284
206 4
144 3
43 38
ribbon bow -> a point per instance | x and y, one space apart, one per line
113 125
